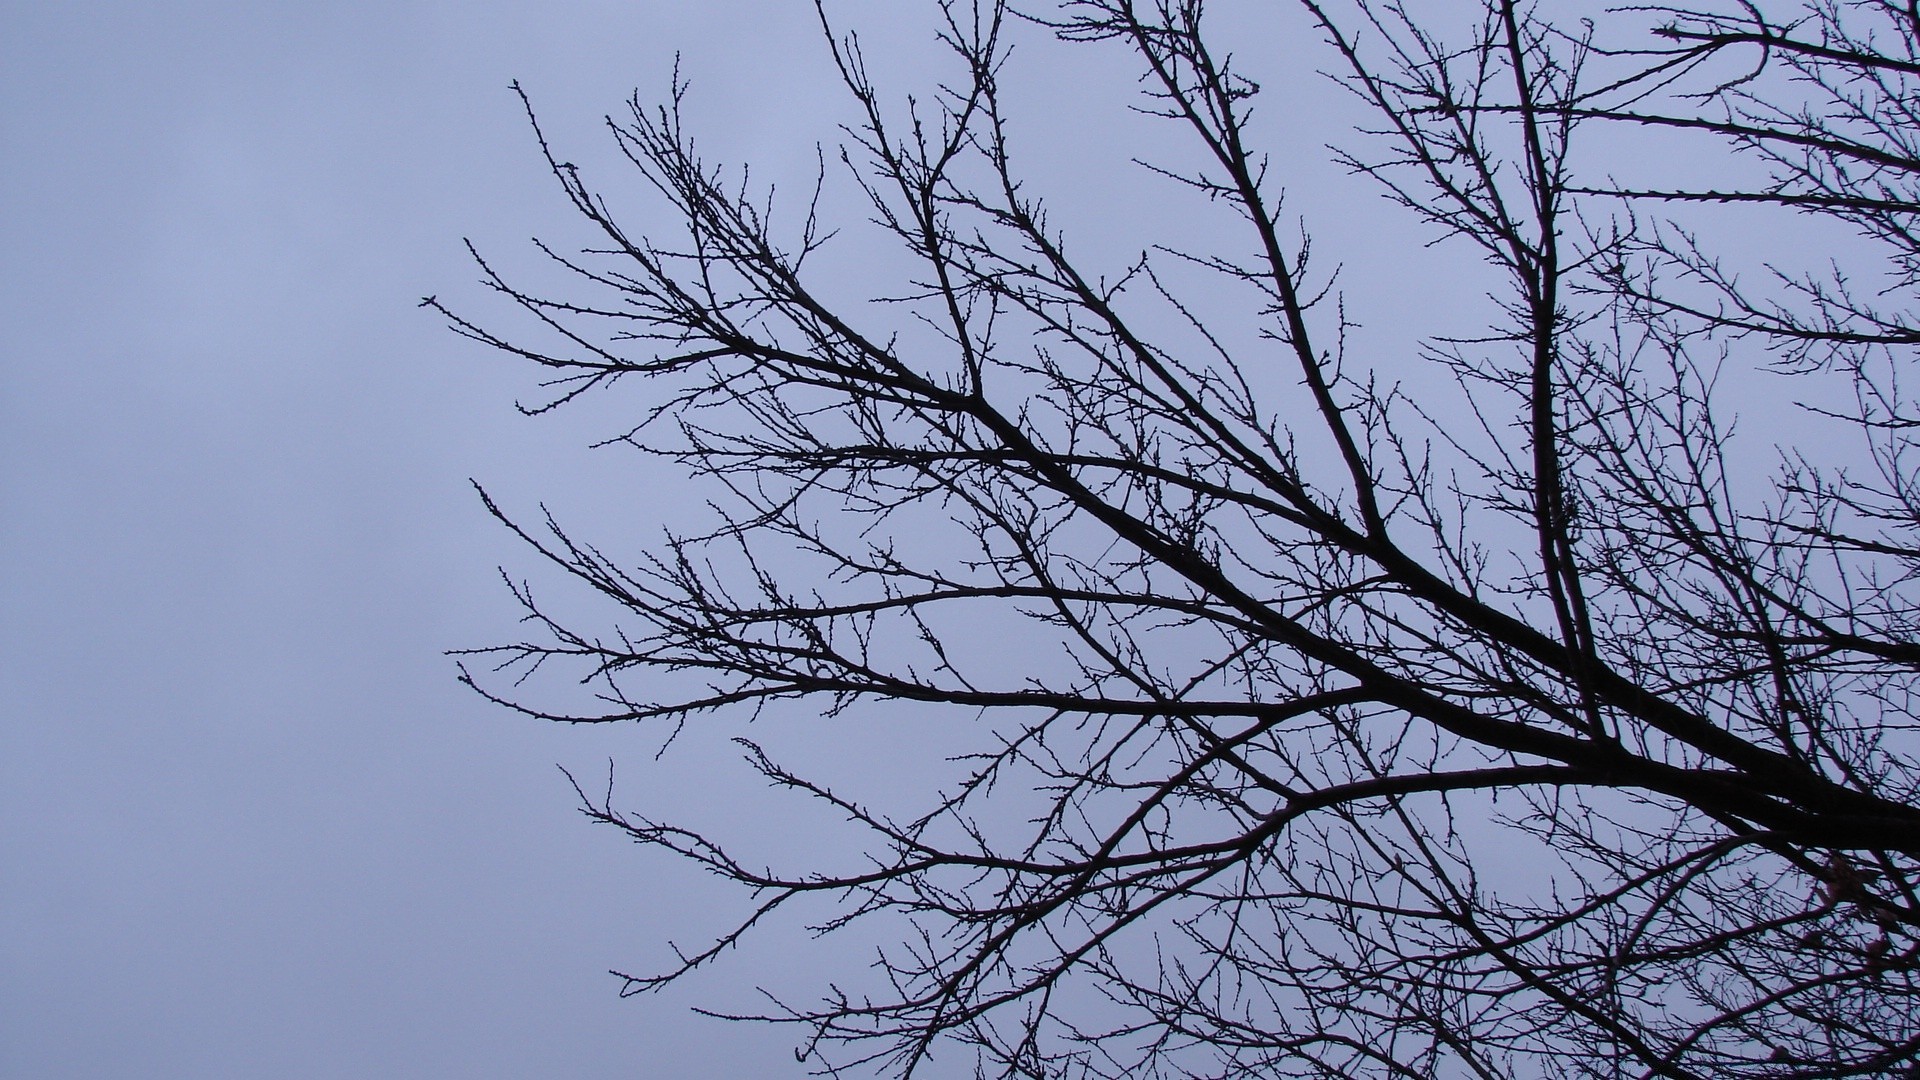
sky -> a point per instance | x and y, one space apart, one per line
250 824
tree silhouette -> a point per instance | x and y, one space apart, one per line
1523 721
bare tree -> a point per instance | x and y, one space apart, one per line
1537 725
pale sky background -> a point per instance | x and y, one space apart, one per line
250 826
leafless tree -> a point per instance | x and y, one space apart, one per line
1487 709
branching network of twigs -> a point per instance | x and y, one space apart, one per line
1548 729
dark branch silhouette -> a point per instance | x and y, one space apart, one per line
1552 729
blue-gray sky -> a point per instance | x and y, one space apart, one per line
252 826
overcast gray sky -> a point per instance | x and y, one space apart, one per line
252 826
